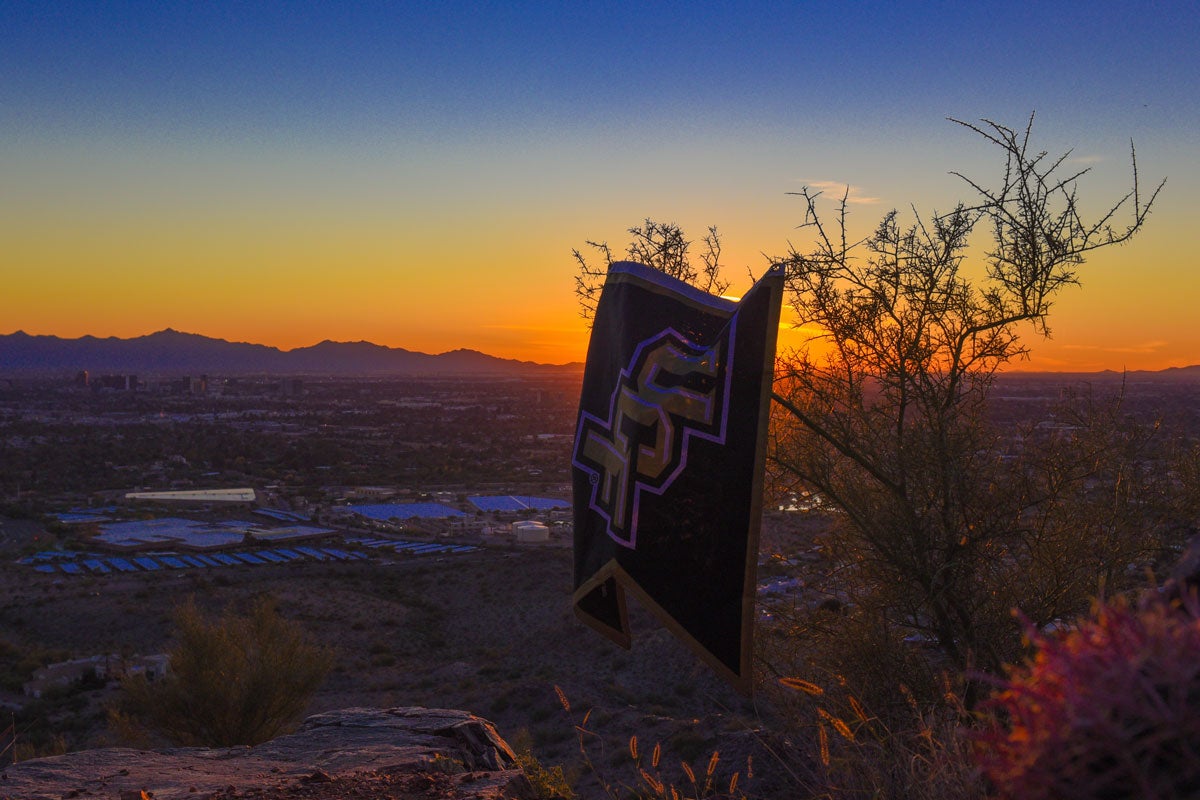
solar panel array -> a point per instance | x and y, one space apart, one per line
78 518
172 532
386 511
153 562
414 548
543 503
282 516
72 563
516 503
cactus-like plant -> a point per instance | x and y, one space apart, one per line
1108 710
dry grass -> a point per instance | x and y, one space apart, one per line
648 777
844 752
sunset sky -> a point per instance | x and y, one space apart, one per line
416 174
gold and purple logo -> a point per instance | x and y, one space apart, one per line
671 392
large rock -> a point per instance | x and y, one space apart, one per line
357 752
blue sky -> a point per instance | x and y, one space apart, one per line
295 153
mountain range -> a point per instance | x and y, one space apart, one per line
170 352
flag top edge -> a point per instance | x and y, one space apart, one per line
619 270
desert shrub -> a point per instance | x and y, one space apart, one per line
19 662
55 745
546 782
1108 710
233 680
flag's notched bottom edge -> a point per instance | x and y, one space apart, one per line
742 682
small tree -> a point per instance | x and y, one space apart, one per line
232 681
888 419
661 245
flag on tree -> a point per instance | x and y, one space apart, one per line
668 460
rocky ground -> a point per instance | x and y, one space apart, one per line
491 632
410 753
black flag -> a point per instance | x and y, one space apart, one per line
668 460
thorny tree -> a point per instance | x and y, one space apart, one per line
660 245
887 420
883 414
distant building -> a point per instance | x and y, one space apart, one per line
467 525
120 383
371 492
246 495
104 667
531 532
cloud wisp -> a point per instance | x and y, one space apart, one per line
835 190
1142 348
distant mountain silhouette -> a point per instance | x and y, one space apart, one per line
174 353
170 352
1189 374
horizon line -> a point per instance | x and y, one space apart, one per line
1015 370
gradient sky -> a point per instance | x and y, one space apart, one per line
416 174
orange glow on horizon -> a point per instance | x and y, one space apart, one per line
556 338
281 283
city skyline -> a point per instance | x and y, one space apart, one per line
417 176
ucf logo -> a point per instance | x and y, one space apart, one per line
672 390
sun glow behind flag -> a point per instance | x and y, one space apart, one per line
668 460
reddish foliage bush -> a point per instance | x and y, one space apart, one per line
1109 710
